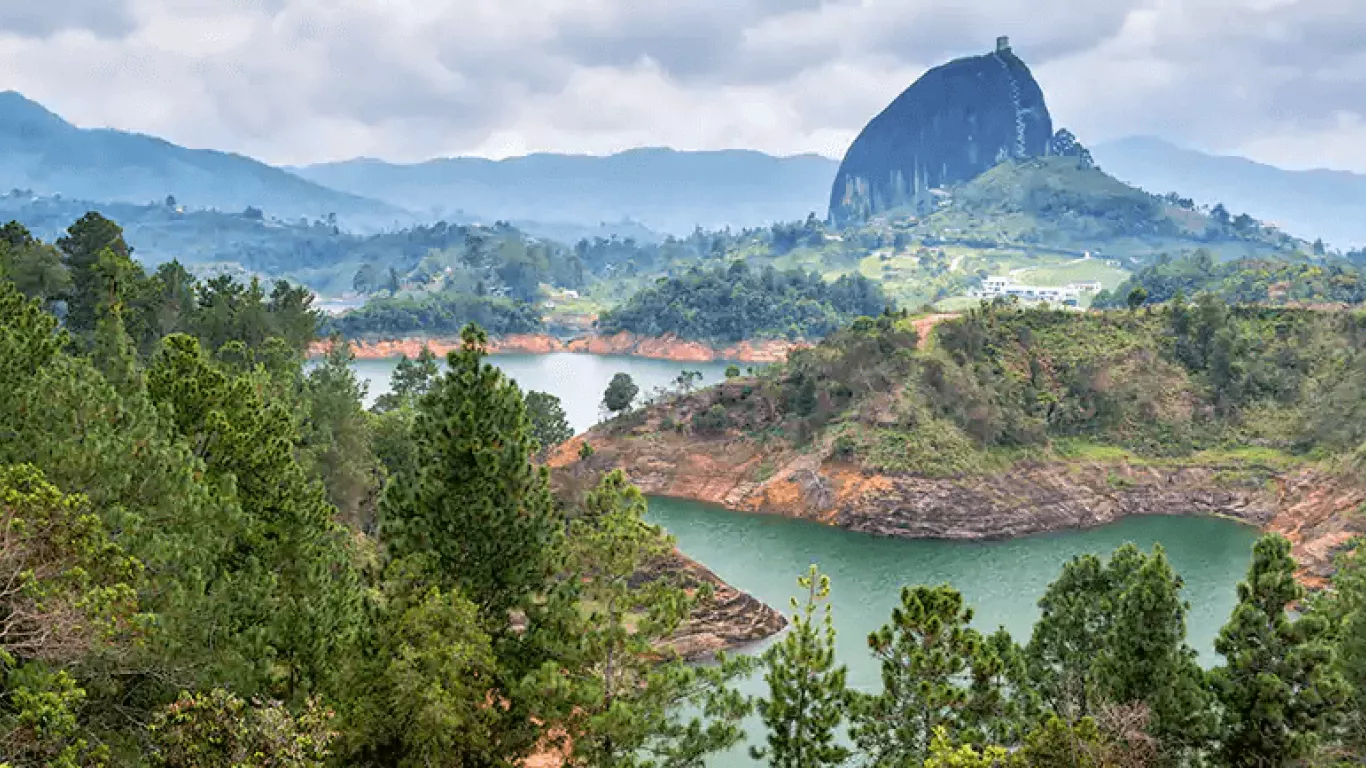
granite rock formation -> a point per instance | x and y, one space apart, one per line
955 122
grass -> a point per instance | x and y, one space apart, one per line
1077 449
957 304
1248 455
1075 271
765 470
933 449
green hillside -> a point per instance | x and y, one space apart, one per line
1001 384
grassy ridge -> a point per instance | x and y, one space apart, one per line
1202 383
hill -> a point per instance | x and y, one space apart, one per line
42 153
1050 222
663 189
1310 204
317 254
1066 203
1003 422
734 303
1245 281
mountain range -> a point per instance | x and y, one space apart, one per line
1317 203
663 190
41 152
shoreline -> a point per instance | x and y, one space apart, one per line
669 348
1312 507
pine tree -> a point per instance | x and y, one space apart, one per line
928 653
1279 692
477 507
113 352
88 241
290 547
549 425
337 439
418 377
1344 609
1068 637
410 380
419 692
808 695
631 697
1145 657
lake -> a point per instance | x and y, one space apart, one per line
579 380
764 554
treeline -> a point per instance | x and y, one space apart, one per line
309 250
1105 680
440 313
1001 382
735 302
214 557
1243 281
77 275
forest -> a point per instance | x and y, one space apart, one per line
735 302
214 556
1244 281
1001 383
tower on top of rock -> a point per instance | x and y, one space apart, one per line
957 121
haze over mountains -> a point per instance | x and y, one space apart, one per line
40 151
666 190
1317 203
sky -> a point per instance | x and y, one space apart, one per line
303 81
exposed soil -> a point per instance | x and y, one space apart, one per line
659 348
1316 509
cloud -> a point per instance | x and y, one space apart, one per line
297 81
43 18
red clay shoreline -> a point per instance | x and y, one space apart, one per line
656 348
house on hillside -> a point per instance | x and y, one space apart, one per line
1003 287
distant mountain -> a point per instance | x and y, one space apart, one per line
40 151
1309 204
663 189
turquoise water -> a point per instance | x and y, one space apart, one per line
764 555
1002 580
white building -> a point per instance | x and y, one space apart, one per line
1000 287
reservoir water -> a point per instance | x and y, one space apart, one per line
764 555
577 379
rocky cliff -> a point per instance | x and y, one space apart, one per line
955 122
1315 509
728 621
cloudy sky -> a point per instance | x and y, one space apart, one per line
297 81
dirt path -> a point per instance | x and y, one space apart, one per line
923 325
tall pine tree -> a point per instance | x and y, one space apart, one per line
808 696
634 704
928 653
1278 691
88 241
477 509
1145 657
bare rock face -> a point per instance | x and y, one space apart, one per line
955 122
729 620
1317 510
